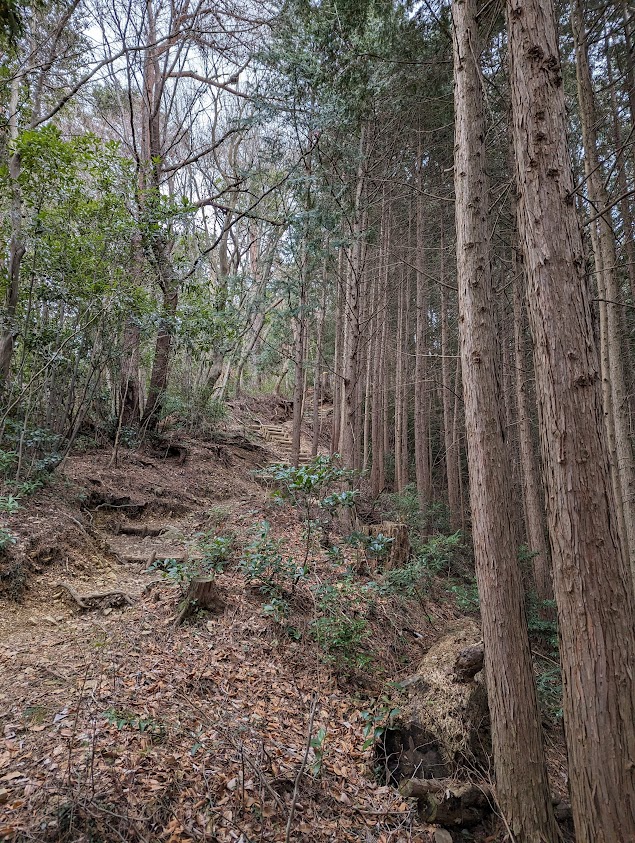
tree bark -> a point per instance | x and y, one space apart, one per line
17 248
421 390
535 526
605 255
592 583
515 719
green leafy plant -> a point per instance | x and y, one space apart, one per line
340 629
9 504
304 487
7 538
216 550
177 572
264 565
465 595
549 687
29 487
7 461
317 745
377 720
123 720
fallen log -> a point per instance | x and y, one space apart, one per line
101 600
202 593
449 802
139 530
236 440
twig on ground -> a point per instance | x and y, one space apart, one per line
296 787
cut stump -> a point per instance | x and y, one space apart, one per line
399 547
203 594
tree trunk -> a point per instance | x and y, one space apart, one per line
377 471
299 334
515 718
452 453
351 439
592 583
421 390
317 371
130 387
161 362
17 248
338 367
533 503
606 272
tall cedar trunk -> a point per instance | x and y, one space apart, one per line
625 208
592 583
421 390
377 470
317 372
606 272
351 439
338 369
524 797
629 55
452 454
371 329
405 384
400 481
299 334
536 528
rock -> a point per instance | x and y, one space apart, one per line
469 662
442 836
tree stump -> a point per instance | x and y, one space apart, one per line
202 593
445 723
399 552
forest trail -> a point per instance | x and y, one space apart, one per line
113 718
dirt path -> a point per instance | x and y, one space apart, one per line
119 726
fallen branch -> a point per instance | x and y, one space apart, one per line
448 802
106 599
142 531
296 786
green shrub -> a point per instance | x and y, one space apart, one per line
9 504
464 594
216 550
549 687
264 565
340 629
7 538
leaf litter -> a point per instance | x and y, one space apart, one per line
118 726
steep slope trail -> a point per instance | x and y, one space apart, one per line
118 725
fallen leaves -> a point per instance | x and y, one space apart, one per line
151 734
